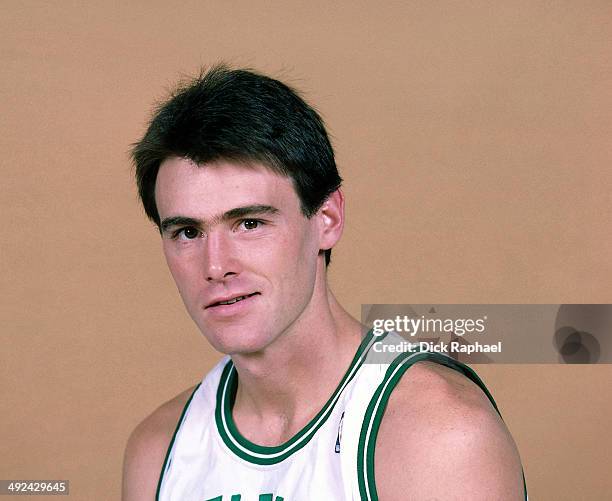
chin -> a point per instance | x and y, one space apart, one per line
237 341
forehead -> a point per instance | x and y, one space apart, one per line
185 188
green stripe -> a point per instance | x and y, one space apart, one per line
376 408
178 425
272 455
374 411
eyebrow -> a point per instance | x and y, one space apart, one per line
236 213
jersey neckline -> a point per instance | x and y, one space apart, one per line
266 455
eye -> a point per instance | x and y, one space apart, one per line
250 224
188 233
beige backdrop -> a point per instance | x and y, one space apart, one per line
474 141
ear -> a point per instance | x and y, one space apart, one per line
331 220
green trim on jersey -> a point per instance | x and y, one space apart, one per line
376 408
261 455
178 425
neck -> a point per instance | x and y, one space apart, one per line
281 388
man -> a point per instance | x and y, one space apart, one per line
238 174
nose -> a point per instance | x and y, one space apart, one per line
219 259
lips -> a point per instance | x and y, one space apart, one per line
226 301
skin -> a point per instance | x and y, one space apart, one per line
231 231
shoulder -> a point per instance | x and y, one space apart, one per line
146 449
440 437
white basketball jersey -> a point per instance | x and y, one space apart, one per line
331 458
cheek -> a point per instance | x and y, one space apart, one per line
182 270
299 257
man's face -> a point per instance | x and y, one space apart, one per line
241 252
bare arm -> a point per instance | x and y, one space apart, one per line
440 438
146 450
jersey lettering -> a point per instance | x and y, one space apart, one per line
238 497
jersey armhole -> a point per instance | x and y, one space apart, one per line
166 465
376 408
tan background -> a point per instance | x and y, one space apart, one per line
475 145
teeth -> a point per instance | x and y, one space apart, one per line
232 301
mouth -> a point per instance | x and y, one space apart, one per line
230 301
